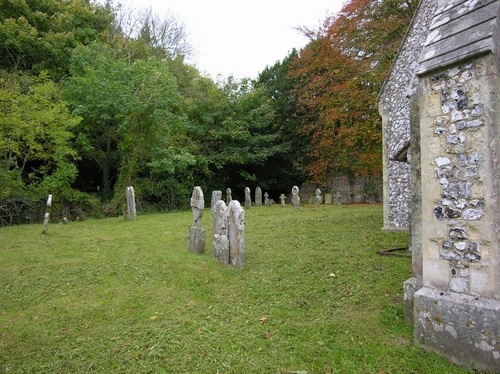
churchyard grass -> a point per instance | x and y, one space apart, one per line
116 296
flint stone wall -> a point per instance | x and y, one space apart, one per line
455 182
394 107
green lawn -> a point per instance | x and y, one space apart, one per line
111 296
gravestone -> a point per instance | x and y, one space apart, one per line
266 199
258 197
220 238
283 199
318 199
295 197
328 198
248 199
47 216
236 233
216 196
131 212
228 196
196 242
336 198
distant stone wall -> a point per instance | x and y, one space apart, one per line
345 191
394 108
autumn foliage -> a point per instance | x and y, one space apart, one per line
338 76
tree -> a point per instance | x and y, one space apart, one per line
143 34
35 135
131 130
338 76
39 35
285 168
231 126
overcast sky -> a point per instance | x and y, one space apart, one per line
241 38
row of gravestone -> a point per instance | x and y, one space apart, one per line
228 238
228 221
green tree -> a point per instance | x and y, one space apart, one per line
131 129
35 134
40 35
285 168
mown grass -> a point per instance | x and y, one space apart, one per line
128 297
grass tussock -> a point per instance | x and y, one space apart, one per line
127 297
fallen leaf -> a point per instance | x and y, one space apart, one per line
267 335
200 329
153 318
263 319
381 371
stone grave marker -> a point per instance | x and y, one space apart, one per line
131 211
236 234
318 199
248 199
258 197
229 197
220 238
196 242
295 197
336 198
267 202
328 198
283 199
47 216
216 196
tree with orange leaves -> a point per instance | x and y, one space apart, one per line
339 75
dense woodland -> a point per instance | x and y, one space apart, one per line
95 97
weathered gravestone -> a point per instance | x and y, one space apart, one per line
328 198
196 242
47 216
318 199
236 233
220 238
248 199
228 196
336 198
258 197
131 211
267 202
216 196
283 199
295 197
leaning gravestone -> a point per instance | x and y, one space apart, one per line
295 197
228 196
236 234
47 215
196 232
220 238
131 211
248 199
258 197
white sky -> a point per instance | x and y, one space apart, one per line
242 37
